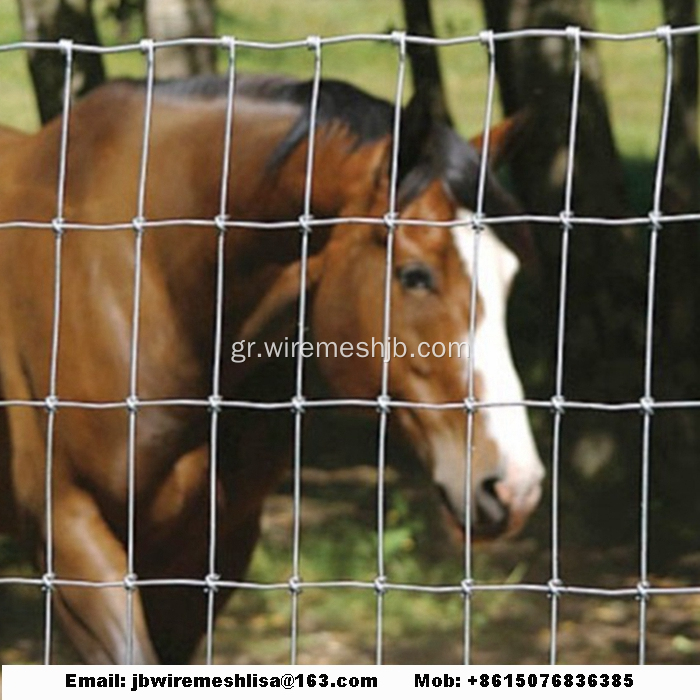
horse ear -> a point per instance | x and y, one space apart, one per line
280 297
505 138
416 128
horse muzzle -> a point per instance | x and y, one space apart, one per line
498 508
502 509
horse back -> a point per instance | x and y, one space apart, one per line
12 138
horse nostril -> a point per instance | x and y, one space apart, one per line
491 513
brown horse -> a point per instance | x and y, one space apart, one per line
431 287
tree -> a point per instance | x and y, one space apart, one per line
425 66
174 19
607 281
51 20
682 184
675 477
537 73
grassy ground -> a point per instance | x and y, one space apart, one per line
338 535
339 626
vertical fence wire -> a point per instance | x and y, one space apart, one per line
148 48
298 400
383 400
574 35
229 44
51 400
647 401
477 227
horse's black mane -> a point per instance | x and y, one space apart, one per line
446 155
367 118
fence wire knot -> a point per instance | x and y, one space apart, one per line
48 580
642 590
147 46
57 226
557 402
214 402
390 219
573 33
467 585
211 583
477 222
380 585
305 221
228 42
220 222
298 404
130 582
313 43
470 405
132 403
486 38
137 224
383 403
51 403
655 220
664 33
398 38
295 585
646 405
66 46
565 217
554 585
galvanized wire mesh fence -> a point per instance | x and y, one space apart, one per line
554 588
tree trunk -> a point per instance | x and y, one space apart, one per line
174 19
606 287
677 371
537 73
425 64
682 180
681 187
51 20
607 284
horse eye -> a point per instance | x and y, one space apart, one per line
416 276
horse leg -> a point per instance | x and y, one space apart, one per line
8 518
249 465
8 510
180 549
177 615
95 618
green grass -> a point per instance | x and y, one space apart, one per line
633 74
418 627
17 104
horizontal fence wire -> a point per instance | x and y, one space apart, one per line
561 225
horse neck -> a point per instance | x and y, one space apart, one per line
344 180
258 192
343 175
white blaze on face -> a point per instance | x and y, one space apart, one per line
519 464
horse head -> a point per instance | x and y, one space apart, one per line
433 270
